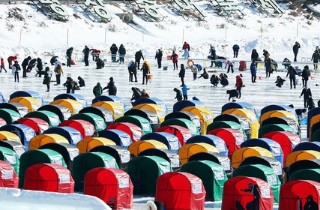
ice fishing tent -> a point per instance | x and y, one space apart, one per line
2 122
279 114
97 121
146 114
62 111
152 100
187 150
20 108
8 177
184 123
9 115
157 109
67 151
111 185
212 175
239 105
306 174
18 148
180 190
170 140
276 107
307 146
119 137
49 178
121 155
73 96
139 146
182 133
240 154
84 127
32 157
187 115
295 193
24 132
302 164
72 135
313 117
37 124
141 122
144 172
7 135
87 161
116 108
274 127
178 106
27 93
294 124
262 172
214 157
266 161
9 156
244 122
31 103
301 155
215 141
50 117
88 143
112 98
42 139
132 130
239 191
100 111
170 156
273 146
73 105
226 124
232 138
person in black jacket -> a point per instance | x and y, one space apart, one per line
39 67
310 204
70 85
295 49
81 82
114 51
132 68
99 63
159 57
86 52
122 53
305 75
235 49
138 57
268 66
53 59
182 74
15 69
292 77
254 55
205 74
279 82
214 80
306 93
213 55
112 89
69 55
24 66
178 94
315 58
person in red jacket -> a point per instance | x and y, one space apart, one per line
2 65
174 58
10 60
239 84
186 49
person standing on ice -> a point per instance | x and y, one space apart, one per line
174 58
47 78
122 53
158 57
114 51
182 74
235 49
295 49
186 50
239 84
15 70
315 58
138 57
69 55
86 52
2 65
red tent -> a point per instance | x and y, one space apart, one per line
48 177
294 193
233 138
2 122
8 177
237 192
182 133
132 130
37 124
84 127
111 185
287 141
179 190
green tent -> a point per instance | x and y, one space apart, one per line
87 161
50 117
9 115
97 121
212 175
144 172
306 174
143 123
32 157
226 124
262 172
274 127
315 135
9 155
184 123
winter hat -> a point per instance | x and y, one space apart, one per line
111 78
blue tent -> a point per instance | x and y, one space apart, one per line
73 135
119 137
111 98
27 93
73 96
185 103
170 140
152 100
276 107
2 100
315 145
25 132
273 146
212 140
240 105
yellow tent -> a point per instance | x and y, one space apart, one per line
205 115
116 108
301 155
157 109
242 153
6 135
89 143
32 104
42 139
187 150
73 105
250 115
278 113
139 146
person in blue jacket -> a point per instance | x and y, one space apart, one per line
253 70
185 92
236 49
